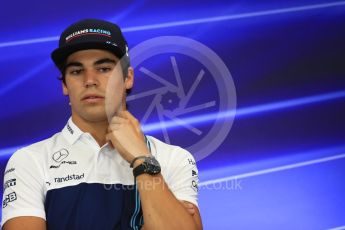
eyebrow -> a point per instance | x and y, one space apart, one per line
98 62
78 64
104 60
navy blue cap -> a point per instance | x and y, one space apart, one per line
90 34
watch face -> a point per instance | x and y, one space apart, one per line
152 165
152 161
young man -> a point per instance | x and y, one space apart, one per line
101 171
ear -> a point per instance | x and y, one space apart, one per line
129 80
64 89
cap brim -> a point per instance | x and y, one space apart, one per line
59 55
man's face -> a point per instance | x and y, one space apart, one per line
88 73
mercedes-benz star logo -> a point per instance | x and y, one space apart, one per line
60 155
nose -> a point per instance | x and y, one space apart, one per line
90 79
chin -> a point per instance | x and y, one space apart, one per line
94 115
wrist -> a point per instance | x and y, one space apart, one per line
145 165
137 163
138 160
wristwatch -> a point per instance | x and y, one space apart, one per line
150 166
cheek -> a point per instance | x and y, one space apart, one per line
73 91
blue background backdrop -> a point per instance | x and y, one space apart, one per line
282 165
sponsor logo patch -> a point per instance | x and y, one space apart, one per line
9 198
89 31
68 178
61 163
191 161
9 170
70 130
9 183
59 157
194 185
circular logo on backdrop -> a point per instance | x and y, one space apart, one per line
185 93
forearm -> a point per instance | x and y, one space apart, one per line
160 207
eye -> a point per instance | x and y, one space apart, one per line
75 71
104 69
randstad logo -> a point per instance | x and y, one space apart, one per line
68 178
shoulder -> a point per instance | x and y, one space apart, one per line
35 152
171 157
164 150
179 169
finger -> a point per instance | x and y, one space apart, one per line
113 127
131 117
118 120
122 114
133 120
126 114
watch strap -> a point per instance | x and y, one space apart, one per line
150 166
140 169
137 158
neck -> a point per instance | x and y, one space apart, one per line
98 129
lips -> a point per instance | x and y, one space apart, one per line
92 97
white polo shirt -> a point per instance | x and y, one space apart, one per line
72 183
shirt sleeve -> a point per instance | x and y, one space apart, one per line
183 182
23 193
